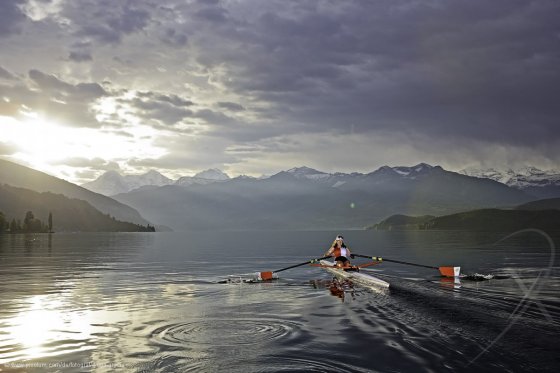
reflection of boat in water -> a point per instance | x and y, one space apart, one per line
450 282
338 287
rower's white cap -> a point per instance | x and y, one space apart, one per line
339 237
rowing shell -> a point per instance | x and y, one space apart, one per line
356 277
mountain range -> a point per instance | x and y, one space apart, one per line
539 183
299 198
112 182
536 182
304 198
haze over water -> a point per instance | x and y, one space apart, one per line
152 302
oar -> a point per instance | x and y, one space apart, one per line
445 271
269 275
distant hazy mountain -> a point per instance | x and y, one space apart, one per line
212 174
539 183
337 180
308 173
111 182
398 222
69 214
303 198
541 204
24 177
496 220
541 214
205 177
499 220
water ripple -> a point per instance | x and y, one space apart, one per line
239 332
307 364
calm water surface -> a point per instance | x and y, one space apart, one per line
152 302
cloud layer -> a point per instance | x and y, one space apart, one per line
231 83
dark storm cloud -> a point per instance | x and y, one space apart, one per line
232 106
467 69
171 109
216 118
171 99
107 21
168 109
57 88
213 14
11 16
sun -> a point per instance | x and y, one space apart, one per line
40 138
48 146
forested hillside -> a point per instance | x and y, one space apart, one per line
67 214
24 177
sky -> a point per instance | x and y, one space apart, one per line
258 86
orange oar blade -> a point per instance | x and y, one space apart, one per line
450 271
265 276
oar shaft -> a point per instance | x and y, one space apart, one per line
410 264
301 264
394 261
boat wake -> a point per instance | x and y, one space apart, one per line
483 277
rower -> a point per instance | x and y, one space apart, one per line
340 252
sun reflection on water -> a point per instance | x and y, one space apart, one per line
49 326
44 329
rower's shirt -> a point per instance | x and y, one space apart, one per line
340 251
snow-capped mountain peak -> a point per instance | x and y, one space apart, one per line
307 173
423 167
489 173
536 181
405 171
530 179
109 183
212 174
112 182
385 170
303 170
205 177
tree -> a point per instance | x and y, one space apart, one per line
2 222
30 224
14 226
29 217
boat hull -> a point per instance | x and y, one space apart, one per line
356 277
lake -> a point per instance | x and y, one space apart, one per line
152 302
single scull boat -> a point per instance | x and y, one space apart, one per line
353 275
